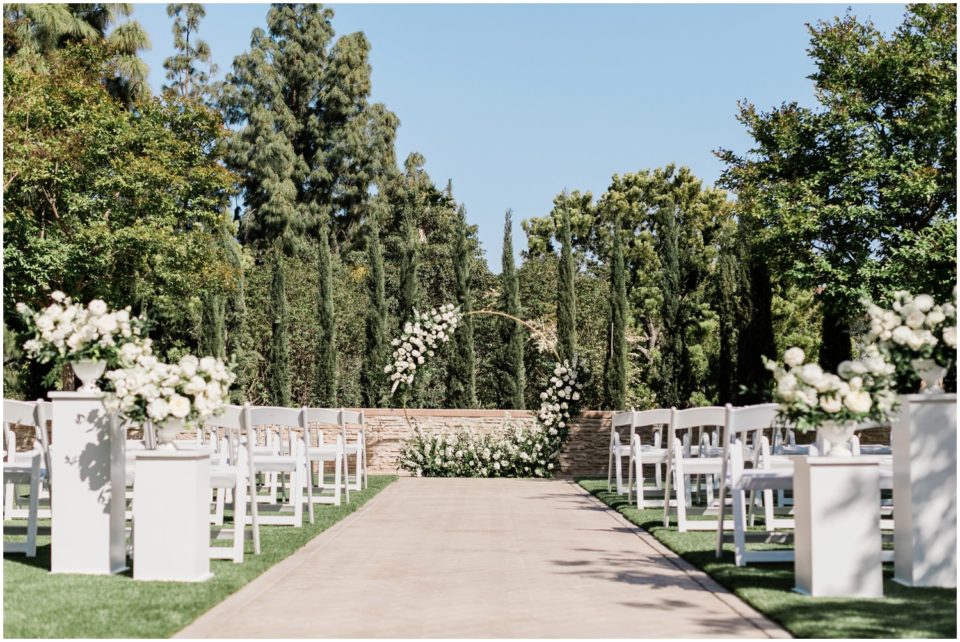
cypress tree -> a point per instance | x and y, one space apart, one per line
212 340
756 335
671 347
511 376
326 365
409 297
372 380
616 362
566 293
727 293
278 356
461 373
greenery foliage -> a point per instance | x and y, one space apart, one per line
512 379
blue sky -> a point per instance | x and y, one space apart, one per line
517 102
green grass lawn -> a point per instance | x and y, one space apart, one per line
37 604
902 612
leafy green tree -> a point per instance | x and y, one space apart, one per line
376 355
326 390
278 357
31 32
461 373
12 385
566 293
512 378
187 80
615 371
132 198
409 295
844 192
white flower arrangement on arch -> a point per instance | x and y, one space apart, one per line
860 391
517 452
152 391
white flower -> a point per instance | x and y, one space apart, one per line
793 357
811 373
858 401
97 307
158 409
915 318
902 335
923 302
831 404
57 296
950 336
179 406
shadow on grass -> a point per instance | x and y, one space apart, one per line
902 612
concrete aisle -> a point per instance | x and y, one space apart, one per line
482 558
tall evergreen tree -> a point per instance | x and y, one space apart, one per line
278 356
616 362
511 376
376 355
187 80
728 291
212 341
326 365
566 293
461 373
671 344
409 296
755 338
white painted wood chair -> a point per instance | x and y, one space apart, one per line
316 451
617 449
288 459
764 477
233 470
356 449
24 468
646 454
683 463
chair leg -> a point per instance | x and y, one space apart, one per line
641 503
683 492
346 476
337 470
255 524
657 477
296 489
219 506
34 508
610 470
619 467
739 527
630 464
239 523
768 515
309 475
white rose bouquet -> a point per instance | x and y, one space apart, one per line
808 396
915 333
190 390
67 332
560 400
419 340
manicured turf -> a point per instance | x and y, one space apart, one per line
38 604
903 612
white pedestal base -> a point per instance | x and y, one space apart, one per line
171 516
87 502
837 533
925 491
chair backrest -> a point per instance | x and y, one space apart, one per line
697 417
25 413
321 416
285 420
622 418
231 417
655 417
750 418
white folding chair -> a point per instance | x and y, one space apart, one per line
24 468
682 464
316 451
356 449
233 471
618 450
740 480
288 424
645 454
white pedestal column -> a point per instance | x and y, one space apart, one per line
925 491
87 499
837 532
171 516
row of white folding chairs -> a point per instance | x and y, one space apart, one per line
743 441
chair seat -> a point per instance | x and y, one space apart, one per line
18 470
701 465
351 449
652 455
275 463
323 452
224 477
763 479
621 450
